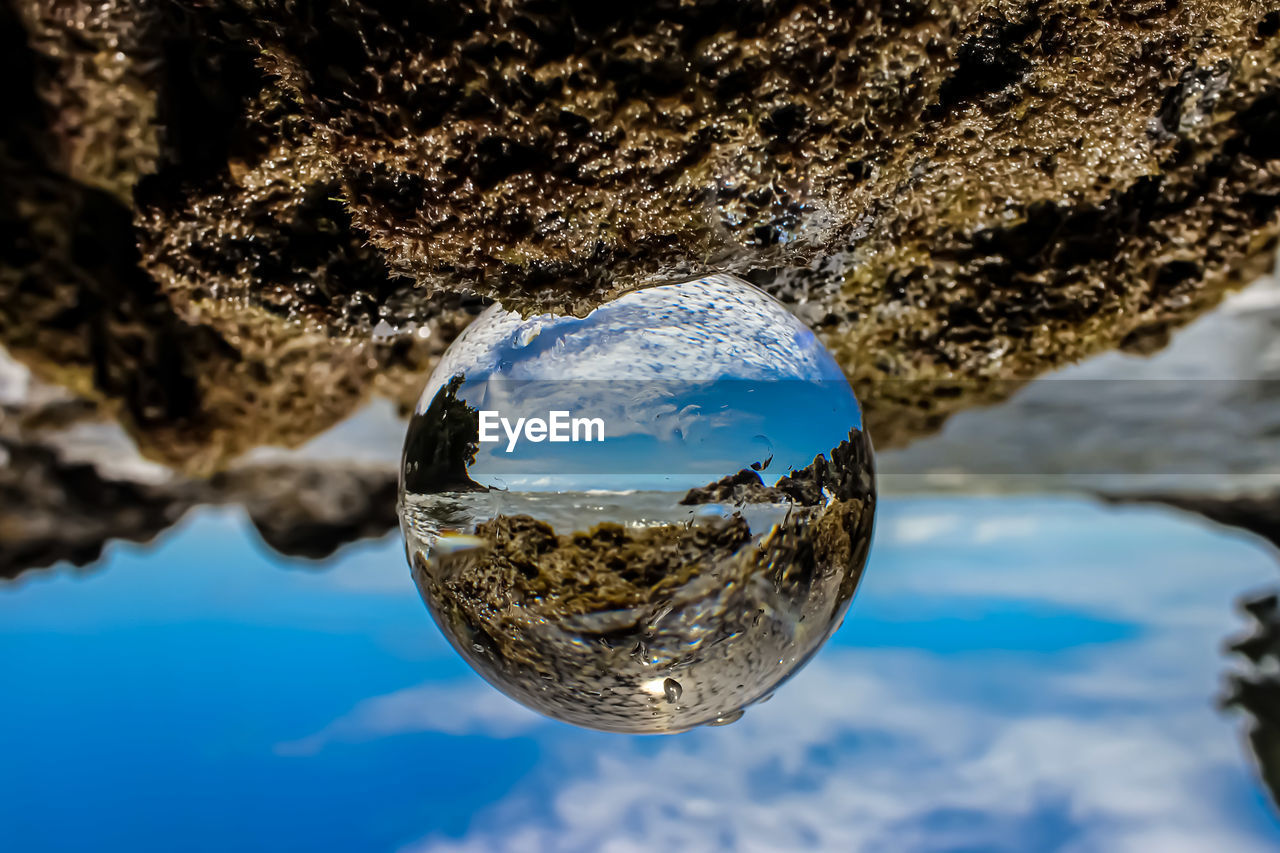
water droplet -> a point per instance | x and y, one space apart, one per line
764 451
726 719
714 525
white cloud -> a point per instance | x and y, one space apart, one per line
916 529
890 753
1008 527
869 750
1146 564
465 708
873 749
678 332
913 529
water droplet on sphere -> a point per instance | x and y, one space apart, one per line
726 719
677 482
764 452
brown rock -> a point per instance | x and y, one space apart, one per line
958 196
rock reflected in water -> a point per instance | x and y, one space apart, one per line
675 571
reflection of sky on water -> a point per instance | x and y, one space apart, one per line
1015 674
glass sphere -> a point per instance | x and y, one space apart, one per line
641 520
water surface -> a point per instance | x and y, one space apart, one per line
1014 674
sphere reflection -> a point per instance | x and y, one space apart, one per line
642 520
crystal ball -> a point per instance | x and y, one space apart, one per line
641 520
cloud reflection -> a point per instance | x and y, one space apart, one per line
856 756
468 708
1111 746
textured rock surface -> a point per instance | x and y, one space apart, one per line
98 70
53 511
195 382
953 194
311 511
590 625
70 485
1083 180
1201 417
1255 688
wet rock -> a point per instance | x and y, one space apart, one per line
51 511
552 152
311 511
850 471
97 70
744 486
1202 417
70 484
958 196
589 626
1255 689
194 391
608 566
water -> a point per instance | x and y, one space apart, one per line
705 528
1020 673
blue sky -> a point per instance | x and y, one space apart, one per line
1014 674
693 381
683 435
